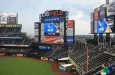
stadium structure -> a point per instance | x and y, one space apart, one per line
55 41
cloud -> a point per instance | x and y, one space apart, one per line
82 26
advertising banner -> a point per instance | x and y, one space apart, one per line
3 18
36 25
69 40
92 17
1 54
2 25
96 15
48 13
36 32
92 27
12 18
20 55
42 29
95 27
70 25
44 58
52 19
52 39
102 12
45 48
9 18
61 28
111 9
52 60
62 68
105 25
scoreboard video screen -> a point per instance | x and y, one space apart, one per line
52 29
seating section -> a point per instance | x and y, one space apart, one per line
18 30
13 35
57 52
2 30
15 50
97 57
8 41
10 30
28 41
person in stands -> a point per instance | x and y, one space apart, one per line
110 68
105 69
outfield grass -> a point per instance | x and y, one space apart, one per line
23 66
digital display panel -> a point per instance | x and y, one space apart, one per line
53 26
96 15
8 18
105 25
52 39
46 48
111 9
52 29
102 12
92 27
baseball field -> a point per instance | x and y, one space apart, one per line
24 66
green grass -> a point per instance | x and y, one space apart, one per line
23 66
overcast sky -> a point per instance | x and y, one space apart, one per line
29 10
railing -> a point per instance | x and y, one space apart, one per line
24 40
5 30
14 30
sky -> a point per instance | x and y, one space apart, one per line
29 10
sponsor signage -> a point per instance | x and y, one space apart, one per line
111 9
96 15
105 25
44 58
20 55
52 39
62 68
3 18
1 54
70 32
70 25
52 19
15 45
48 48
102 12
8 18
52 60
53 13
1 25
95 27
3 37
92 27
69 40
53 26
92 17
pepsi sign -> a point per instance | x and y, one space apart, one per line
69 40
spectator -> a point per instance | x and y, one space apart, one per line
105 69
102 73
110 68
